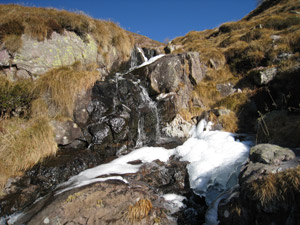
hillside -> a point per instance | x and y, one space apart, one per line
235 54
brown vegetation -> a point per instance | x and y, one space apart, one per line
282 186
28 138
139 210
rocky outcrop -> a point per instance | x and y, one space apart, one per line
104 203
37 57
173 75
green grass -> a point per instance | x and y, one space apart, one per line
15 97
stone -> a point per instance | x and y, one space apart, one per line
178 128
225 89
270 154
22 74
66 132
101 203
60 50
4 58
173 74
263 75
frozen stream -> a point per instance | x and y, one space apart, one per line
215 159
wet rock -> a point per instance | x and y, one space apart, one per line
173 74
270 154
44 177
137 57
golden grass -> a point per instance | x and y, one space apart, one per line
282 186
207 93
229 122
23 143
139 210
40 23
59 88
234 101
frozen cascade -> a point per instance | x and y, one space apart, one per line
142 53
215 159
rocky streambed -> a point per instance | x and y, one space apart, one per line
129 157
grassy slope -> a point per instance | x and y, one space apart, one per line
238 47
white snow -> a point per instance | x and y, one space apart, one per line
215 159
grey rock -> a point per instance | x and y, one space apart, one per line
264 75
173 74
4 58
270 154
60 50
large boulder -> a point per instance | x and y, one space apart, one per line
109 202
173 75
37 57
269 154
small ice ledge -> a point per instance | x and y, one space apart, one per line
118 166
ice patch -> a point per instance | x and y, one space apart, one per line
174 202
215 159
118 166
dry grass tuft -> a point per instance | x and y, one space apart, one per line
139 210
283 186
23 143
60 87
